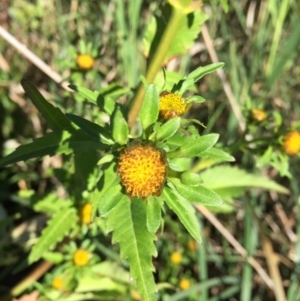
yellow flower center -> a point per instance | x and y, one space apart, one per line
81 257
85 61
176 257
258 115
85 213
142 170
291 143
57 283
171 105
184 284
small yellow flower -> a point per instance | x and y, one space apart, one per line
85 61
184 284
81 257
176 257
57 283
192 245
258 114
135 295
142 169
85 213
291 143
171 105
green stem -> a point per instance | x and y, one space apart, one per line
277 33
157 61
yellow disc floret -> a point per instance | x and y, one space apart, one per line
57 283
171 105
143 170
81 257
176 258
85 213
184 284
258 114
291 143
85 61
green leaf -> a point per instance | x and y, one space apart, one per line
54 117
106 159
128 223
153 214
188 31
183 85
217 155
201 71
195 99
232 181
191 178
109 178
51 144
50 204
91 96
57 228
119 126
194 147
184 210
199 194
92 129
150 108
168 129
110 199
180 164
225 5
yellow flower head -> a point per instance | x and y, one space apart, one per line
85 213
142 169
57 283
192 245
81 257
171 105
291 143
258 114
85 61
176 257
135 295
184 284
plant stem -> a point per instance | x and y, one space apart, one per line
157 61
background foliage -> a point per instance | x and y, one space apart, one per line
259 43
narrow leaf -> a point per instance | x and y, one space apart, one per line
92 129
109 178
198 194
119 126
184 210
201 71
128 223
57 228
86 93
194 147
217 154
110 199
153 214
51 144
223 178
168 129
150 108
195 99
54 117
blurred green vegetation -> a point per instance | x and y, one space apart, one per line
259 43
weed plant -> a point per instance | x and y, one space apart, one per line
168 169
